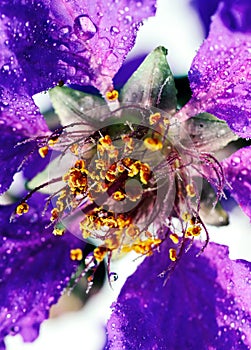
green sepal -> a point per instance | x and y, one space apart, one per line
72 106
152 84
209 133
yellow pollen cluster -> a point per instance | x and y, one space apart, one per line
143 247
58 231
154 118
76 254
193 230
105 145
172 254
190 190
54 214
76 178
153 144
99 253
112 95
22 208
43 151
174 238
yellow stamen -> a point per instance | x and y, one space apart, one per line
172 254
99 253
190 190
57 231
174 238
43 151
154 118
76 254
54 214
22 208
112 95
193 230
118 195
153 144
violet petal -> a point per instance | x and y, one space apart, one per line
220 76
205 304
35 268
238 174
78 42
23 121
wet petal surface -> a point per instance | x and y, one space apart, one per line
238 174
78 42
205 304
35 268
220 75
19 122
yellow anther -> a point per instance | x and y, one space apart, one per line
54 214
52 141
193 230
74 149
153 144
166 122
174 238
112 95
144 247
57 231
110 222
123 221
80 164
190 190
99 253
43 151
154 118
144 173
100 164
118 196
76 254
22 208
134 168
186 216
172 254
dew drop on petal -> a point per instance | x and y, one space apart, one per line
114 30
85 27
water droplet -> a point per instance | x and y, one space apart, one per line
85 27
64 31
127 19
114 30
113 277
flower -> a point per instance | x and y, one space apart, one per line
44 44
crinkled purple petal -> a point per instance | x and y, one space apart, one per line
220 74
206 304
35 267
18 123
82 42
238 173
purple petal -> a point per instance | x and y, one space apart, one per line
17 124
206 304
35 267
238 174
78 42
220 75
